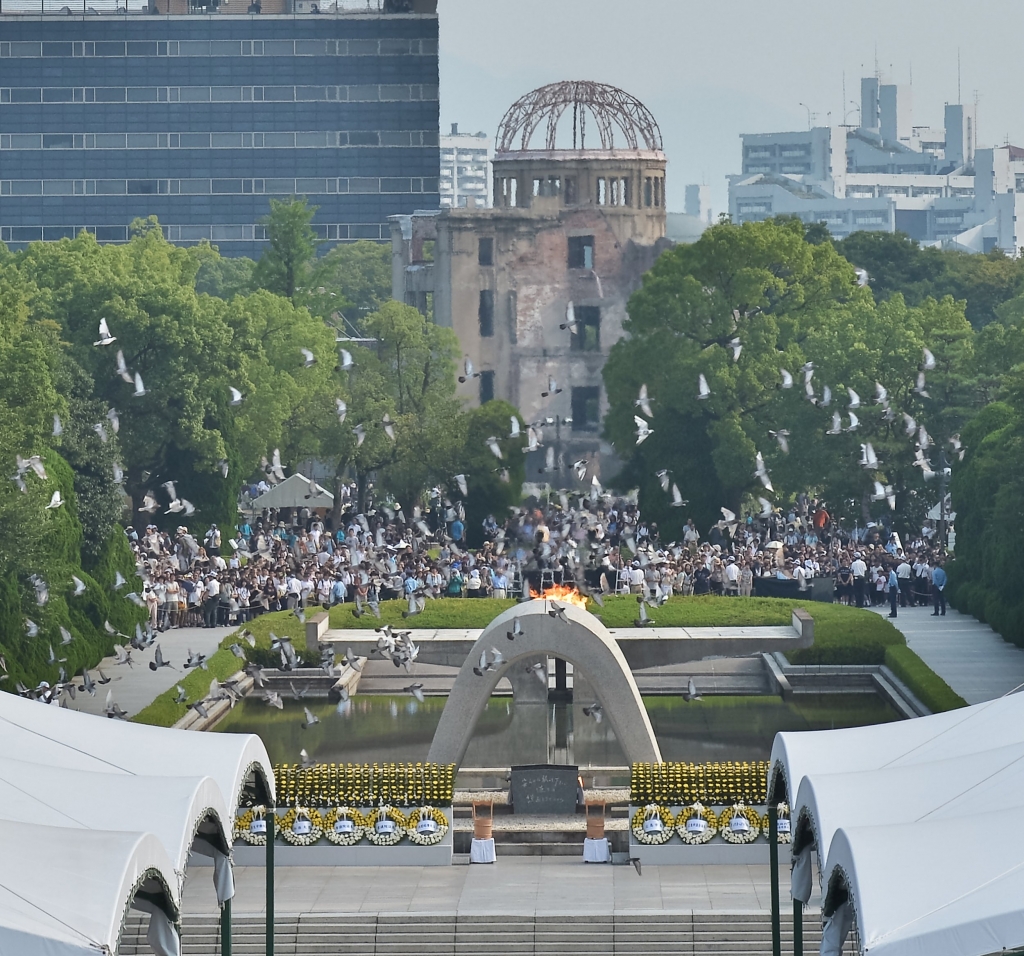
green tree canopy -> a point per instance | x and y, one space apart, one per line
790 304
292 242
898 265
352 280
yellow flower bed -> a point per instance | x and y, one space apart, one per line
682 784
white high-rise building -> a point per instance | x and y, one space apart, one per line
466 168
887 174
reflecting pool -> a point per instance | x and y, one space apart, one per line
376 728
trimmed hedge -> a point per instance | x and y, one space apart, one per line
930 689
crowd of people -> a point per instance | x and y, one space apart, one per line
292 560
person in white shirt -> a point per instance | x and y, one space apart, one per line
732 578
860 572
210 600
904 573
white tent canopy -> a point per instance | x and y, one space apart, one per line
952 887
171 808
57 737
293 492
988 779
996 723
65 892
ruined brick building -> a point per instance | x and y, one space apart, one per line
572 229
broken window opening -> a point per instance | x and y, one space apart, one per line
586 408
486 387
648 191
602 191
581 252
485 252
485 313
587 337
570 190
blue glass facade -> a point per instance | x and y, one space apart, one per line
199 120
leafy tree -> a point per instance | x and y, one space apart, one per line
408 375
987 578
494 486
92 459
789 303
353 280
220 276
897 264
292 243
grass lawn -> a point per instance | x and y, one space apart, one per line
842 635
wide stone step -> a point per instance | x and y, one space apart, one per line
702 934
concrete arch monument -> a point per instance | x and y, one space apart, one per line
574 635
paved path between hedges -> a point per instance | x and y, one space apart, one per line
136 687
968 655
524 886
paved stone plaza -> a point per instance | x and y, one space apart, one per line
522 886
968 655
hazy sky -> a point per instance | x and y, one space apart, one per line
709 71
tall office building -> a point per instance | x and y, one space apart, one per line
465 168
200 114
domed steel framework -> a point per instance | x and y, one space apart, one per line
609 107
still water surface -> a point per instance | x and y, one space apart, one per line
377 728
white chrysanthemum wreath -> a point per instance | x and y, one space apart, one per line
344 826
426 826
739 824
653 825
696 824
385 826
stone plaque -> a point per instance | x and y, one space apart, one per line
544 788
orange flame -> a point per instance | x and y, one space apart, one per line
559 592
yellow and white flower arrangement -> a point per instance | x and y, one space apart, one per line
302 826
783 826
385 826
653 825
426 826
739 824
696 824
251 826
344 826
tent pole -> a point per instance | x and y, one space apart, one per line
225 928
773 858
798 928
271 827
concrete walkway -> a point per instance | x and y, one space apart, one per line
968 655
522 886
137 686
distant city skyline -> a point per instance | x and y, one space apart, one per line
710 73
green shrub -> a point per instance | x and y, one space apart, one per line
929 688
846 635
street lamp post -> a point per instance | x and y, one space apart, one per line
944 473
